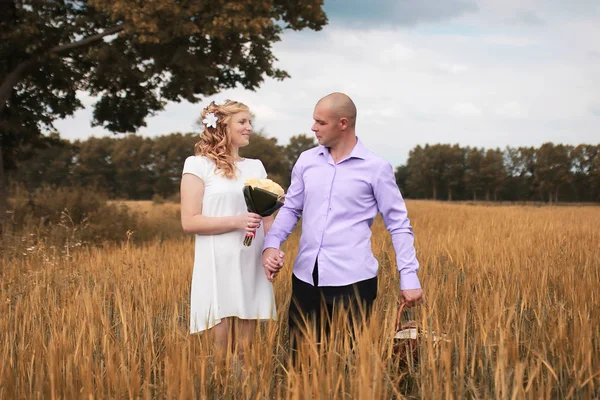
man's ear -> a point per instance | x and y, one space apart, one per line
344 123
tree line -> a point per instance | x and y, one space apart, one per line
552 173
135 167
140 168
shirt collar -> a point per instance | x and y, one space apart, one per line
359 150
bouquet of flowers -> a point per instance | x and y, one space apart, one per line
263 197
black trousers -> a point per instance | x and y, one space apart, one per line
311 307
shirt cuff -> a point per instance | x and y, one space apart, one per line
271 242
409 281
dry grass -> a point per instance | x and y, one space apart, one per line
153 210
514 288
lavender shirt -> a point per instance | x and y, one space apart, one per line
338 203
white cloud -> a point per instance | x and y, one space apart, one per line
397 52
466 109
452 68
510 109
376 114
506 40
86 99
268 113
595 110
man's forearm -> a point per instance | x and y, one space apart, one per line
283 225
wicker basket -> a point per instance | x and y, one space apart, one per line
406 338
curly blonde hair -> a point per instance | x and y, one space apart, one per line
215 143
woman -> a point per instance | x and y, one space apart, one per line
229 289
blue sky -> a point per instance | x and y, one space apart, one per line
483 73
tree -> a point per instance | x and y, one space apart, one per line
416 179
134 55
473 163
296 146
595 175
135 173
492 172
454 168
169 153
433 167
583 158
519 171
427 167
527 170
45 162
553 168
402 173
94 166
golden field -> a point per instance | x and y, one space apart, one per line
515 289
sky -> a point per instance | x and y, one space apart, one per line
485 73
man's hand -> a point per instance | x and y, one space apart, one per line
412 297
272 260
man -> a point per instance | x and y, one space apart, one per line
338 188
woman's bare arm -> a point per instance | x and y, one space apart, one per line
192 220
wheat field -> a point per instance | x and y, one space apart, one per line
514 289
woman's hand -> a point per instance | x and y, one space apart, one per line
249 222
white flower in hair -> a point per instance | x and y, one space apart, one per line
210 120
219 102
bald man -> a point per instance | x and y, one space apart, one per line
338 188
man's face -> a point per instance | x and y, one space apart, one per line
326 126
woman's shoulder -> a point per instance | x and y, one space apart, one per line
252 160
200 166
255 162
198 160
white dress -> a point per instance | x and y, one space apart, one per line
228 278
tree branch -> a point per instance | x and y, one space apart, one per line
86 41
15 75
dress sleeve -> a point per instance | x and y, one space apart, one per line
262 172
196 166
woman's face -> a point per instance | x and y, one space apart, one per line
240 129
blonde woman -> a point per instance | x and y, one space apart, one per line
229 290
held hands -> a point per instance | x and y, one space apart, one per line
272 260
249 222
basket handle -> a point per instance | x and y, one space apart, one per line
399 316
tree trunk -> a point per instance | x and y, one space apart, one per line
556 195
449 194
496 194
11 80
474 195
434 191
487 194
